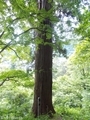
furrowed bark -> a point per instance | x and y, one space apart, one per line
43 71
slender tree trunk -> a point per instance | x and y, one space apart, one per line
43 70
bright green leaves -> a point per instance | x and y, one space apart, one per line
12 74
23 7
43 14
82 53
81 56
23 52
84 26
15 23
20 15
3 5
80 60
16 78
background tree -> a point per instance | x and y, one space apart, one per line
80 62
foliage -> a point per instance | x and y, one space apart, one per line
16 96
20 19
79 71
17 77
12 74
67 95
79 62
83 28
19 22
69 99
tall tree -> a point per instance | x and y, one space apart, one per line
43 64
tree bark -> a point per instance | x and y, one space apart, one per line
43 70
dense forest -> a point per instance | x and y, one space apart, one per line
44 59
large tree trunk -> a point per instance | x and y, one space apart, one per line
43 70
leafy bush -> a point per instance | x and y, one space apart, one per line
16 99
66 93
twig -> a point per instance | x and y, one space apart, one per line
7 79
4 81
2 34
33 28
15 52
7 45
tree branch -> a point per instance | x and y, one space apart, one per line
4 81
1 34
7 45
15 52
33 28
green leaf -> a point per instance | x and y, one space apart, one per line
12 74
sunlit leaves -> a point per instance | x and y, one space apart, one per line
82 53
21 15
12 74
79 61
16 78
84 26
3 5
23 52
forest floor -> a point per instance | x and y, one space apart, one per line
57 118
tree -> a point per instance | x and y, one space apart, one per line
37 23
43 66
80 59
79 71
